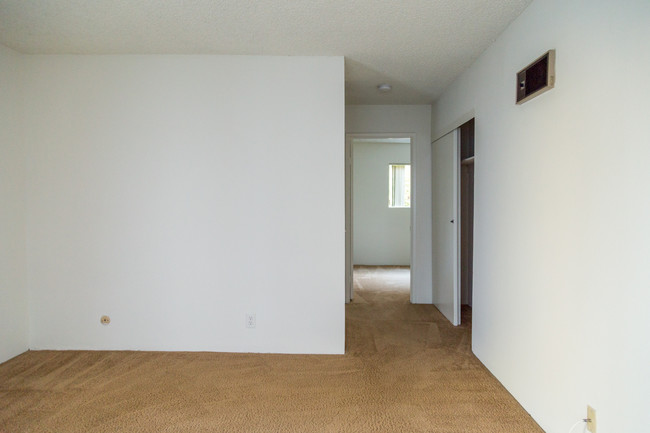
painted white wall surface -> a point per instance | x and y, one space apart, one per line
13 292
562 240
400 120
176 194
382 235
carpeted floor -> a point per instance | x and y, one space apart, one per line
406 370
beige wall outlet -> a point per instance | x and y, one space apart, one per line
591 419
105 320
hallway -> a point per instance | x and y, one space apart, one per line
423 368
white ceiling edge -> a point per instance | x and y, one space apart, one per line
417 46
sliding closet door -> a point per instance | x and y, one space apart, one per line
446 224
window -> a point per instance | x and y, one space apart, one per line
399 185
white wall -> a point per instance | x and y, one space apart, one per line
562 240
178 193
382 235
416 120
13 293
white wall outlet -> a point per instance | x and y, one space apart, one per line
591 419
105 320
250 320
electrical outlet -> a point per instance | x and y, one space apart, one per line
105 320
591 419
250 320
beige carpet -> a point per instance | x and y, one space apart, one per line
406 370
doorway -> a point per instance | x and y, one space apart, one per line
466 220
378 205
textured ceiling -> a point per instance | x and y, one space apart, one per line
418 46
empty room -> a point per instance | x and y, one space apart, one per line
184 198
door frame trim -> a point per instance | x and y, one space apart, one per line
348 206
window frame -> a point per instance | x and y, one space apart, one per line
406 185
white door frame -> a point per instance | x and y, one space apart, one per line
348 207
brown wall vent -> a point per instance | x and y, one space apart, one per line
536 78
